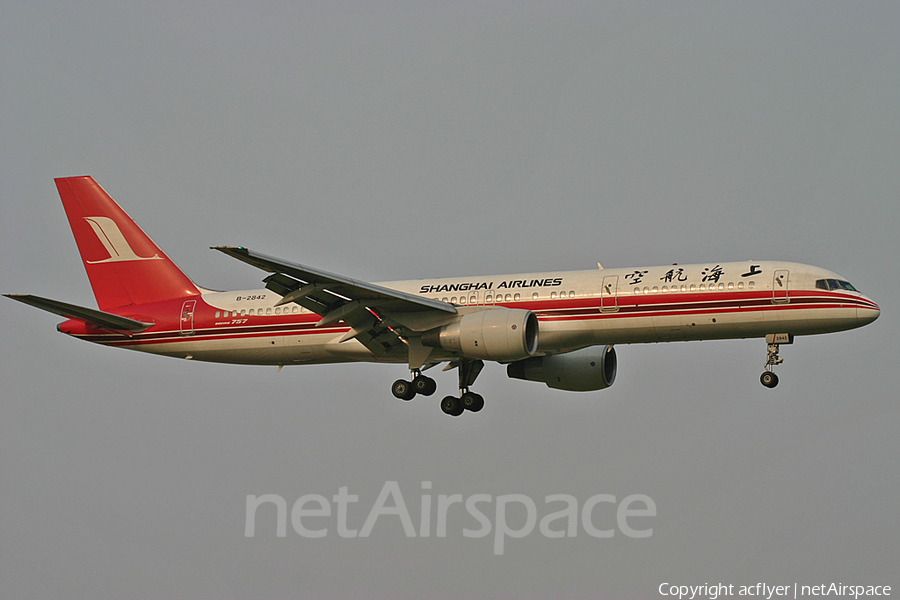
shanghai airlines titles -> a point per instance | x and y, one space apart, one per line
558 328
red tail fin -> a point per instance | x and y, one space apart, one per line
124 265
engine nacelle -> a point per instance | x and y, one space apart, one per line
501 334
584 370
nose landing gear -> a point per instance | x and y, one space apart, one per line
769 378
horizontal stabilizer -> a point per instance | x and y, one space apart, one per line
104 319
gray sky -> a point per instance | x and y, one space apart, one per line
402 140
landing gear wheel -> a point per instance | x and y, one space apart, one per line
472 402
768 379
403 389
424 385
452 406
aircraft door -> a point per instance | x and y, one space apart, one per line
187 317
609 300
780 286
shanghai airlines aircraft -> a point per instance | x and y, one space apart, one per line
558 328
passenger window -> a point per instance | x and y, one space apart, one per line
751 285
730 286
509 297
462 300
453 300
243 312
665 288
740 285
571 294
517 297
488 299
646 290
217 314
693 287
268 311
553 294
637 290
721 286
654 289
534 296
702 287
251 311
472 299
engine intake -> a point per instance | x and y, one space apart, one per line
502 334
584 370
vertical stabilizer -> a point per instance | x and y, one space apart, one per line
123 265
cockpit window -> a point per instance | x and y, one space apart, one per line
835 284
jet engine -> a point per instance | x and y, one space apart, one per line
501 334
585 370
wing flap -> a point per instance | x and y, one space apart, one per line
382 319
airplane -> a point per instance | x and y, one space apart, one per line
559 328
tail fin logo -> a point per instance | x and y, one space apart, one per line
114 241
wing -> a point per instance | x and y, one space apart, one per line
90 315
381 318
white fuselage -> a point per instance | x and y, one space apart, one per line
575 309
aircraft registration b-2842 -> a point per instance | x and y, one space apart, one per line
558 328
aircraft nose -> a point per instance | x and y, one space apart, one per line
864 316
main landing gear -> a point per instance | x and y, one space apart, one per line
467 400
420 384
451 405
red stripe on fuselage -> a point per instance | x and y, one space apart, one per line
637 305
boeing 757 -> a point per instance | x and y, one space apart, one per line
559 328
